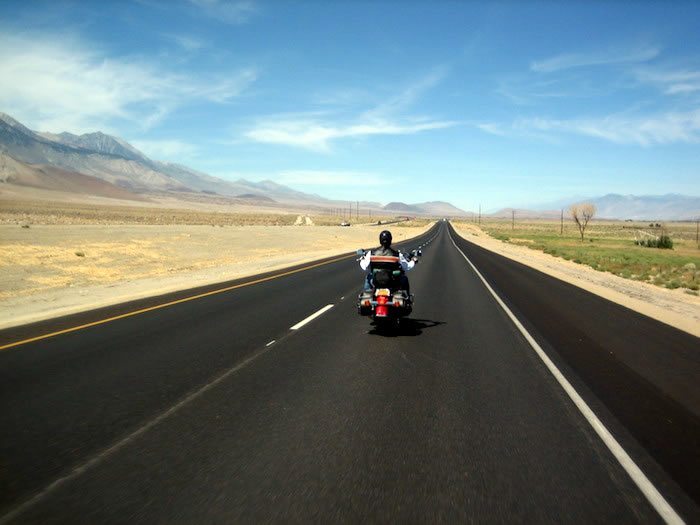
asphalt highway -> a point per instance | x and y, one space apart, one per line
215 410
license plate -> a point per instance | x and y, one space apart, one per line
383 291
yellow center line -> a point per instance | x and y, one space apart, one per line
171 303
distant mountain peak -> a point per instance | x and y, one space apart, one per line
99 142
12 122
16 125
402 206
426 208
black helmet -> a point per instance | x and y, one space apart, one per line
385 238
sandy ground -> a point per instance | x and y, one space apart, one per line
52 270
673 307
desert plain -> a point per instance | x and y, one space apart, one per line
65 256
57 259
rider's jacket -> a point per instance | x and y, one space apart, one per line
386 256
387 252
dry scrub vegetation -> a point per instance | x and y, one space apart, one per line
61 248
609 246
41 212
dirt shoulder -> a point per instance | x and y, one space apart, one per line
672 307
53 270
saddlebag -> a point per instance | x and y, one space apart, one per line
364 303
403 302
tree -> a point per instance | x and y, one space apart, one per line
581 214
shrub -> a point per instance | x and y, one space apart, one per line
664 242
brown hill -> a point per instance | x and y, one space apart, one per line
13 171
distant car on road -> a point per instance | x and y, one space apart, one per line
345 223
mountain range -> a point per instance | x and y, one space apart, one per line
108 166
669 207
100 164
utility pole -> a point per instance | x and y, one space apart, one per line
697 231
561 230
513 219
358 210
479 214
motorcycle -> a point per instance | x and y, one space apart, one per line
386 302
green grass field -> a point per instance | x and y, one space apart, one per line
609 246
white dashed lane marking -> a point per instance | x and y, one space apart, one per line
312 317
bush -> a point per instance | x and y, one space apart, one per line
664 242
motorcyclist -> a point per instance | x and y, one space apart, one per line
385 250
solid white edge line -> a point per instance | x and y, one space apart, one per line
667 513
312 317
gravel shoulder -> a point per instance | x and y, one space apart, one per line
673 307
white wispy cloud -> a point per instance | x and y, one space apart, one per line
166 149
408 95
317 136
57 83
671 82
665 128
228 11
526 90
317 131
597 58
331 178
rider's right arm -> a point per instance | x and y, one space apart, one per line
364 262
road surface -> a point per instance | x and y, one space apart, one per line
212 409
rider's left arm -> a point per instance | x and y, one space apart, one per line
406 265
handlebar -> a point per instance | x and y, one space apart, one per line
413 253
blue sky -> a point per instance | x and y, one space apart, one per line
499 104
